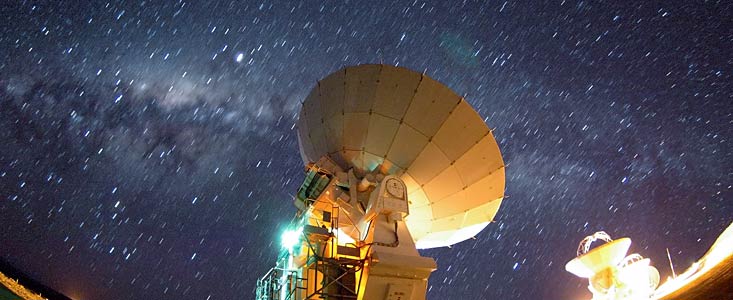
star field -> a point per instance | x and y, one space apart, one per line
148 150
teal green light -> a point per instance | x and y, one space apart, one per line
291 238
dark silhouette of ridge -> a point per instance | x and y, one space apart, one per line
30 283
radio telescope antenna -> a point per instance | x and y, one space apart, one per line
393 121
395 161
612 275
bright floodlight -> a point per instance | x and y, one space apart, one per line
290 238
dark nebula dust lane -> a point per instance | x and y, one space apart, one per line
148 150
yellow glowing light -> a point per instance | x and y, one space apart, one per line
344 238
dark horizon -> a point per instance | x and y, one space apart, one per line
29 282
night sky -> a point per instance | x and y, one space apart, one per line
148 150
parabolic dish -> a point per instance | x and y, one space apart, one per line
598 259
397 121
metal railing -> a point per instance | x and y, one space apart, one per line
279 284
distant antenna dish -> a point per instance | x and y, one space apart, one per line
596 260
391 120
611 274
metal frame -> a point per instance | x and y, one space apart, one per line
333 270
269 287
326 266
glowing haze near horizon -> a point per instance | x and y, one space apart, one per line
148 152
